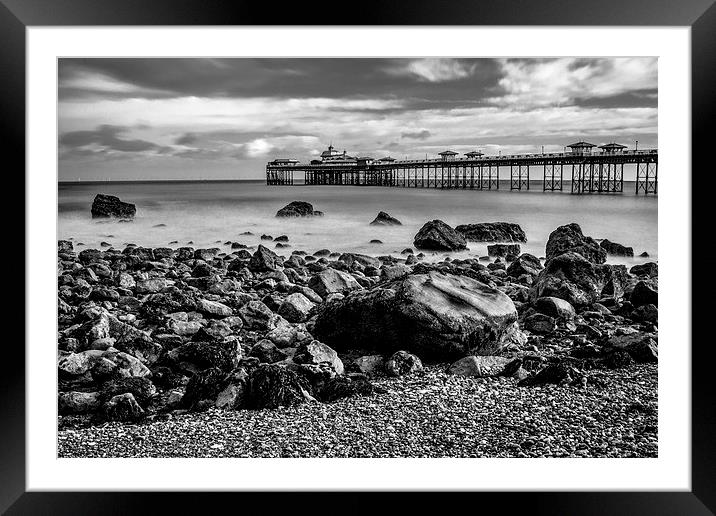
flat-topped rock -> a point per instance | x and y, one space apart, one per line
298 209
110 206
492 232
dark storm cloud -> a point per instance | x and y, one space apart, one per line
630 99
107 137
416 135
285 78
186 139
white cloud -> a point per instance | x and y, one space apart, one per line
435 69
530 83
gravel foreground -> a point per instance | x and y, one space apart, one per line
424 414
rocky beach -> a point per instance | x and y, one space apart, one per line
254 348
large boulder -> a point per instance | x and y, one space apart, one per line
569 238
433 315
435 235
492 232
641 346
110 206
361 259
383 219
297 209
333 281
571 277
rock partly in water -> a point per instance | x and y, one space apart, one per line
383 219
437 236
110 206
492 232
503 250
569 238
298 209
614 249
433 315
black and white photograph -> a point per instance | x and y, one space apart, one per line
357 257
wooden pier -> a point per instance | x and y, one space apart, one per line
600 172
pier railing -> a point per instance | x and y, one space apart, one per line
587 173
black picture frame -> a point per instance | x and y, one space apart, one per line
17 15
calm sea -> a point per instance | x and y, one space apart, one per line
210 213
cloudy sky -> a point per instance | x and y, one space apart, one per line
225 118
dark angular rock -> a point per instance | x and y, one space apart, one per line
649 269
438 236
264 259
298 209
110 206
571 277
524 264
383 219
569 238
141 388
645 293
267 352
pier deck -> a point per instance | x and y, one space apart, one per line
588 173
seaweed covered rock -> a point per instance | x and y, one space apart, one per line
272 386
433 315
435 235
203 388
347 386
